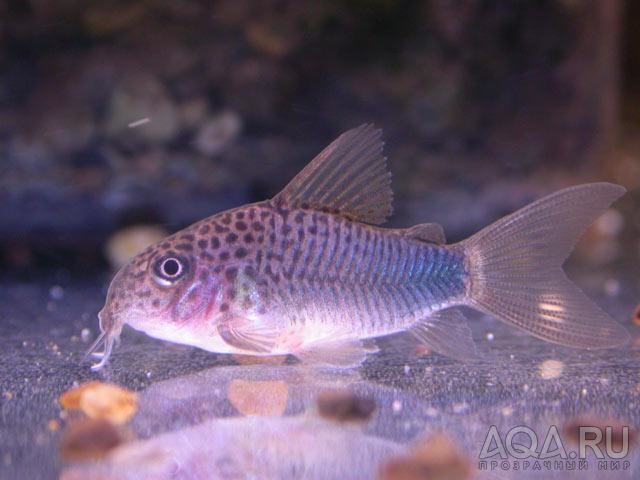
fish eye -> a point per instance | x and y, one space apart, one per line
170 268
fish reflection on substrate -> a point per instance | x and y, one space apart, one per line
263 390
310 273
247 447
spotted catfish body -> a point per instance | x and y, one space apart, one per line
310 273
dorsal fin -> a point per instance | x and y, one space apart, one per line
348 177
427 232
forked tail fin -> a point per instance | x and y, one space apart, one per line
515 268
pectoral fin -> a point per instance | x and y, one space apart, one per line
243 334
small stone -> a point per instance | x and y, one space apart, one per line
53 425
344 406
571 430
218 133
193 112
550 369
101 401
612 287
270 38
635 318
438 458
56 292
264 398
125 243
490 336
610 223
89 439
138 96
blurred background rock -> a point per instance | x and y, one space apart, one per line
157 112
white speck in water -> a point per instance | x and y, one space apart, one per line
407 369
138 123
512 356
85 335
507 411
490 336
525 387
612 287
396 406
431 412
56 292
584 392
148 374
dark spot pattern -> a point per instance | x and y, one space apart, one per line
231 273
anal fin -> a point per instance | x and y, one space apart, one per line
447 332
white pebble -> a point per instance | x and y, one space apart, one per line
550 369
431 412
610 223
490 336
396 406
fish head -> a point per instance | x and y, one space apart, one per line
168 291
